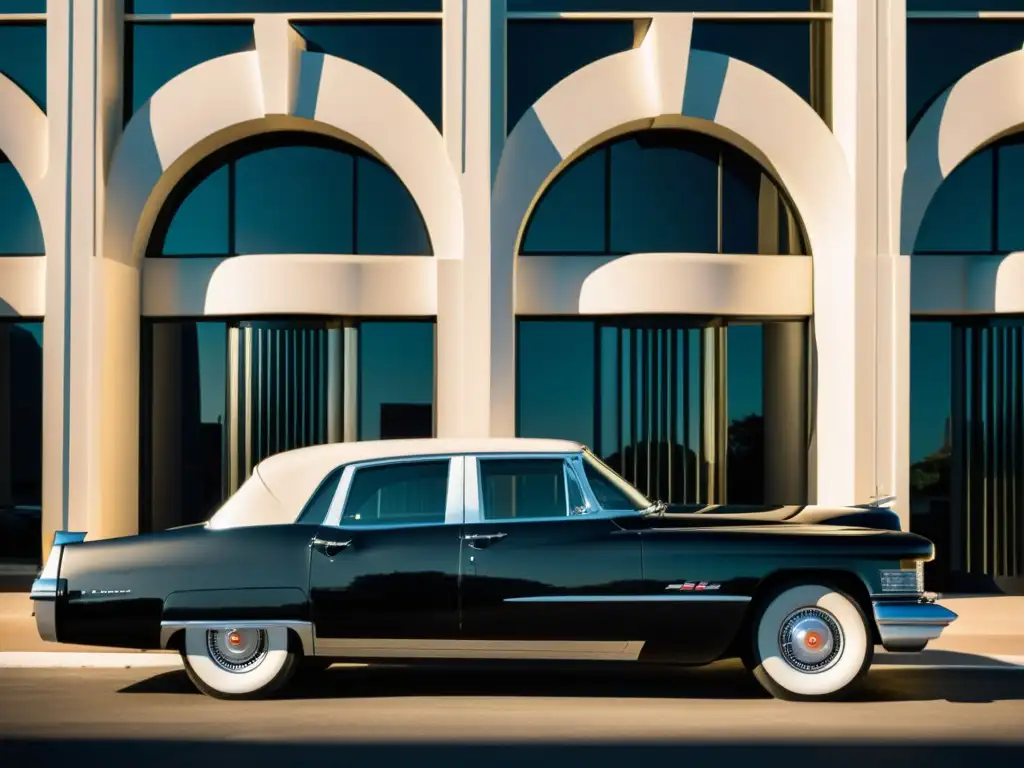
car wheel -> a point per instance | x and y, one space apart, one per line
810 642
244 663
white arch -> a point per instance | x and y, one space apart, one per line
23 139
171 132
665 83
982 106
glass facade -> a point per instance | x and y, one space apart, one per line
21 430
218 397
23 60
290 193
690 410
967 450
626 197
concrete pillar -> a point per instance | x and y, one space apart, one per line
869 113
476 321
784 393
84 115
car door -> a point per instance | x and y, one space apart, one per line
538 561
384 566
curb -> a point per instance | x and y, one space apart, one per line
64 660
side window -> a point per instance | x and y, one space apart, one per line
577 504
514 489
316 508
611 491
398 494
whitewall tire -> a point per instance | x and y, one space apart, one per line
810 642
241 663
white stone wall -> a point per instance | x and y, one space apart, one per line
98 189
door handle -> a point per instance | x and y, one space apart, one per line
481 540
328 546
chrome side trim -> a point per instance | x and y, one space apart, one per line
909 626
383 648
630 599
303 629
49 586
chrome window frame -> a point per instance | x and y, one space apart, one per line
572 464
454 500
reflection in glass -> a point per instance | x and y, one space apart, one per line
967 444
21 441
513 489
219 397
658 191
20 230
688 412
396 379
279 6
290 193
399 494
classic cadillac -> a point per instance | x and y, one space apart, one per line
492 549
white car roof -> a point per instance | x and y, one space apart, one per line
281 484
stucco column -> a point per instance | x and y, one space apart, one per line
476 322
84 114
855 114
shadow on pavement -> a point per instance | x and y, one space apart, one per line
940 658
721 681
154 753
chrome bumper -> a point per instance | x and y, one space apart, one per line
910 625
48 588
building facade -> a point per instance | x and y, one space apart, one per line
750 251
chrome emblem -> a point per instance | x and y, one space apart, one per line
694 586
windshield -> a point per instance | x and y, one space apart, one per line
611 490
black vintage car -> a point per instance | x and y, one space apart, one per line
492 549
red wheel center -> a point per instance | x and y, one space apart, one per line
235 639
813 640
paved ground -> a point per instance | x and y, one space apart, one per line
509 716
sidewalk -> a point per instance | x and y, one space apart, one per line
987 626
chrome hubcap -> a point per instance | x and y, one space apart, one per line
811 640
237 650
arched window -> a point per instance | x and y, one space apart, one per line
20 232
976 209
290 193
664 191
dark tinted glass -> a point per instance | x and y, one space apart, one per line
398 494
406 53
782 49
1010 196
541 53
293 198
21 440
278 6
555 360
658 191
522 488
22 6
959 217
571 217
20 231
320 502
612 492
183 383
941 52
963 5
23 58
663 197
659 5
156 53
396 379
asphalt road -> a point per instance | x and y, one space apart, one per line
492 717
